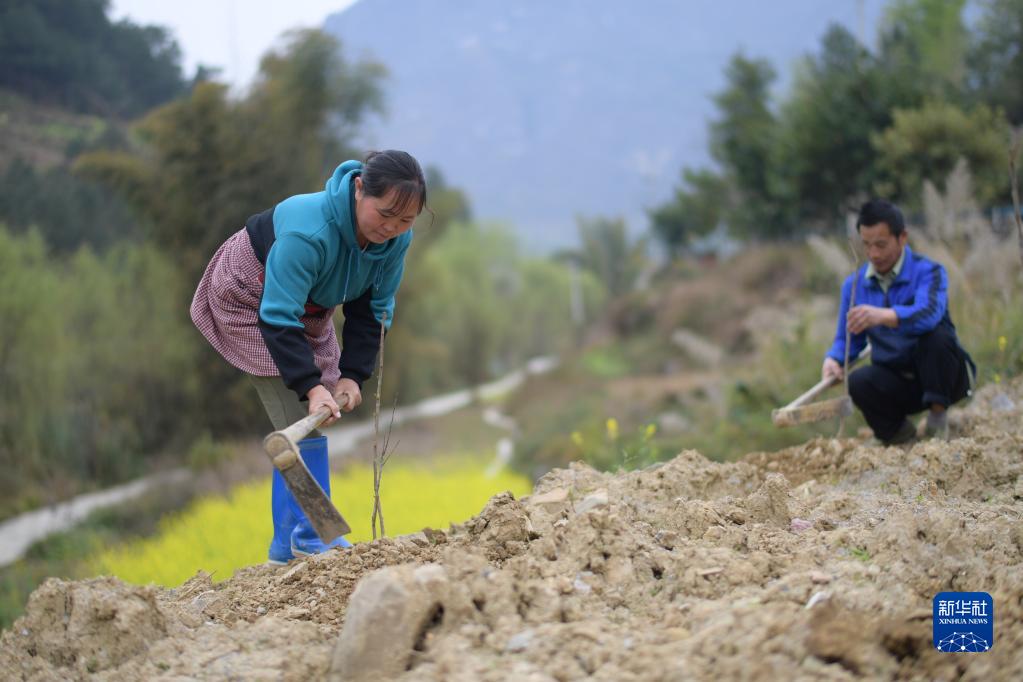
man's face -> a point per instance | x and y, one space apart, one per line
882 247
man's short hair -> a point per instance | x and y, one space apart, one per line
880 211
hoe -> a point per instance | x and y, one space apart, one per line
282 449
802 411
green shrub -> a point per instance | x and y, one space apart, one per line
205 453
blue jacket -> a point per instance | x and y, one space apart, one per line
315 257
307 244
919 297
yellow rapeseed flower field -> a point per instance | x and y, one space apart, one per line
223 534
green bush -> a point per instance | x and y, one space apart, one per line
605 362
926 143
480 309
96 360
607 447
206 453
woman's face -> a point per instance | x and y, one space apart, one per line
378 218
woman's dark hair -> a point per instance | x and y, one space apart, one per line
878 211
393 169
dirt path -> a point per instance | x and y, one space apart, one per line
18 534
817 562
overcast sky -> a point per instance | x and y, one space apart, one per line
229 34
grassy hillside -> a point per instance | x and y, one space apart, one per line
42 135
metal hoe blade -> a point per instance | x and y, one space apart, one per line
325 519
814 412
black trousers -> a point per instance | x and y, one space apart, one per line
938 374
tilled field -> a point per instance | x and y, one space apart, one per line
815 562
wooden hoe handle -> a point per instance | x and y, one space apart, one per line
283 444
819 387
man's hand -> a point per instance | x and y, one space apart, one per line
863 317
347 387
319 397
831 368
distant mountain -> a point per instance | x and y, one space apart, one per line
543 110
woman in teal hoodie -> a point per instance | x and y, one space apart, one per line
267 298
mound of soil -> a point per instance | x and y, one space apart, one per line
815 562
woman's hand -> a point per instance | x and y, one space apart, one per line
319 397
348 395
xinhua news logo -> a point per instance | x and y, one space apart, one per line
964 622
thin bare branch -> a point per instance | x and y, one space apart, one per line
848 335
1017 139
379 458
390 427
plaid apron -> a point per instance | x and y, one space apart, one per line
225 309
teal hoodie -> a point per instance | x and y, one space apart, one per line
315 256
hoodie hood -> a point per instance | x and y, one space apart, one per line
339 195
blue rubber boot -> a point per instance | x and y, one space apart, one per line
304 540
282 504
